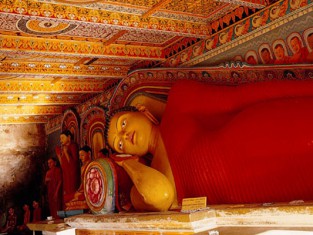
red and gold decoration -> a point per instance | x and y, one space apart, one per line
100 183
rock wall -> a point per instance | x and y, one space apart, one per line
22 164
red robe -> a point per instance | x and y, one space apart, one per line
70 170
53 179
247 144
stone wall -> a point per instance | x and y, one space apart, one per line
22 164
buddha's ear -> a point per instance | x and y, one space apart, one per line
146 112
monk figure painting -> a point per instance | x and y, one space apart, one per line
251 143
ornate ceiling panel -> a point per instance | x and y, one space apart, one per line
58 53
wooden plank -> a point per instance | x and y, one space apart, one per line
115 37
171 222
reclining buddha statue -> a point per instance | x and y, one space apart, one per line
250 143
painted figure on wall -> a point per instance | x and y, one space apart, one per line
280 52
309 41
251 58
299 52
97 142
249 143
266 55
53 181
69 160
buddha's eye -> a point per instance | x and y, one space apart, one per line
120 145
124 124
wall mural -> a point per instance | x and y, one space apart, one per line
295 49
159 81
101 100
92 129
71 122
223 39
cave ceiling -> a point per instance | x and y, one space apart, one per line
55 54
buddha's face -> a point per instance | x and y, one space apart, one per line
129 132
64 139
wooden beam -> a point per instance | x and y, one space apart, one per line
82 61
115 37
155 8
56 79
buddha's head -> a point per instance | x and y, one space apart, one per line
129 132
66 137
85 154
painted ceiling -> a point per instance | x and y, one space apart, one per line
55 54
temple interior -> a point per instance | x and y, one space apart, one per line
66 65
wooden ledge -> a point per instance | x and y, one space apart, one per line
170 221
221 217
48 225
294 214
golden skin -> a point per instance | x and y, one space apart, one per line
129 132
65 140
154 188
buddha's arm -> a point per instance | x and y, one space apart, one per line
155 190
66 153
71 153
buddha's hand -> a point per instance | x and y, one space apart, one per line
121 158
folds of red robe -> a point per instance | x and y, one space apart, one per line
249 143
